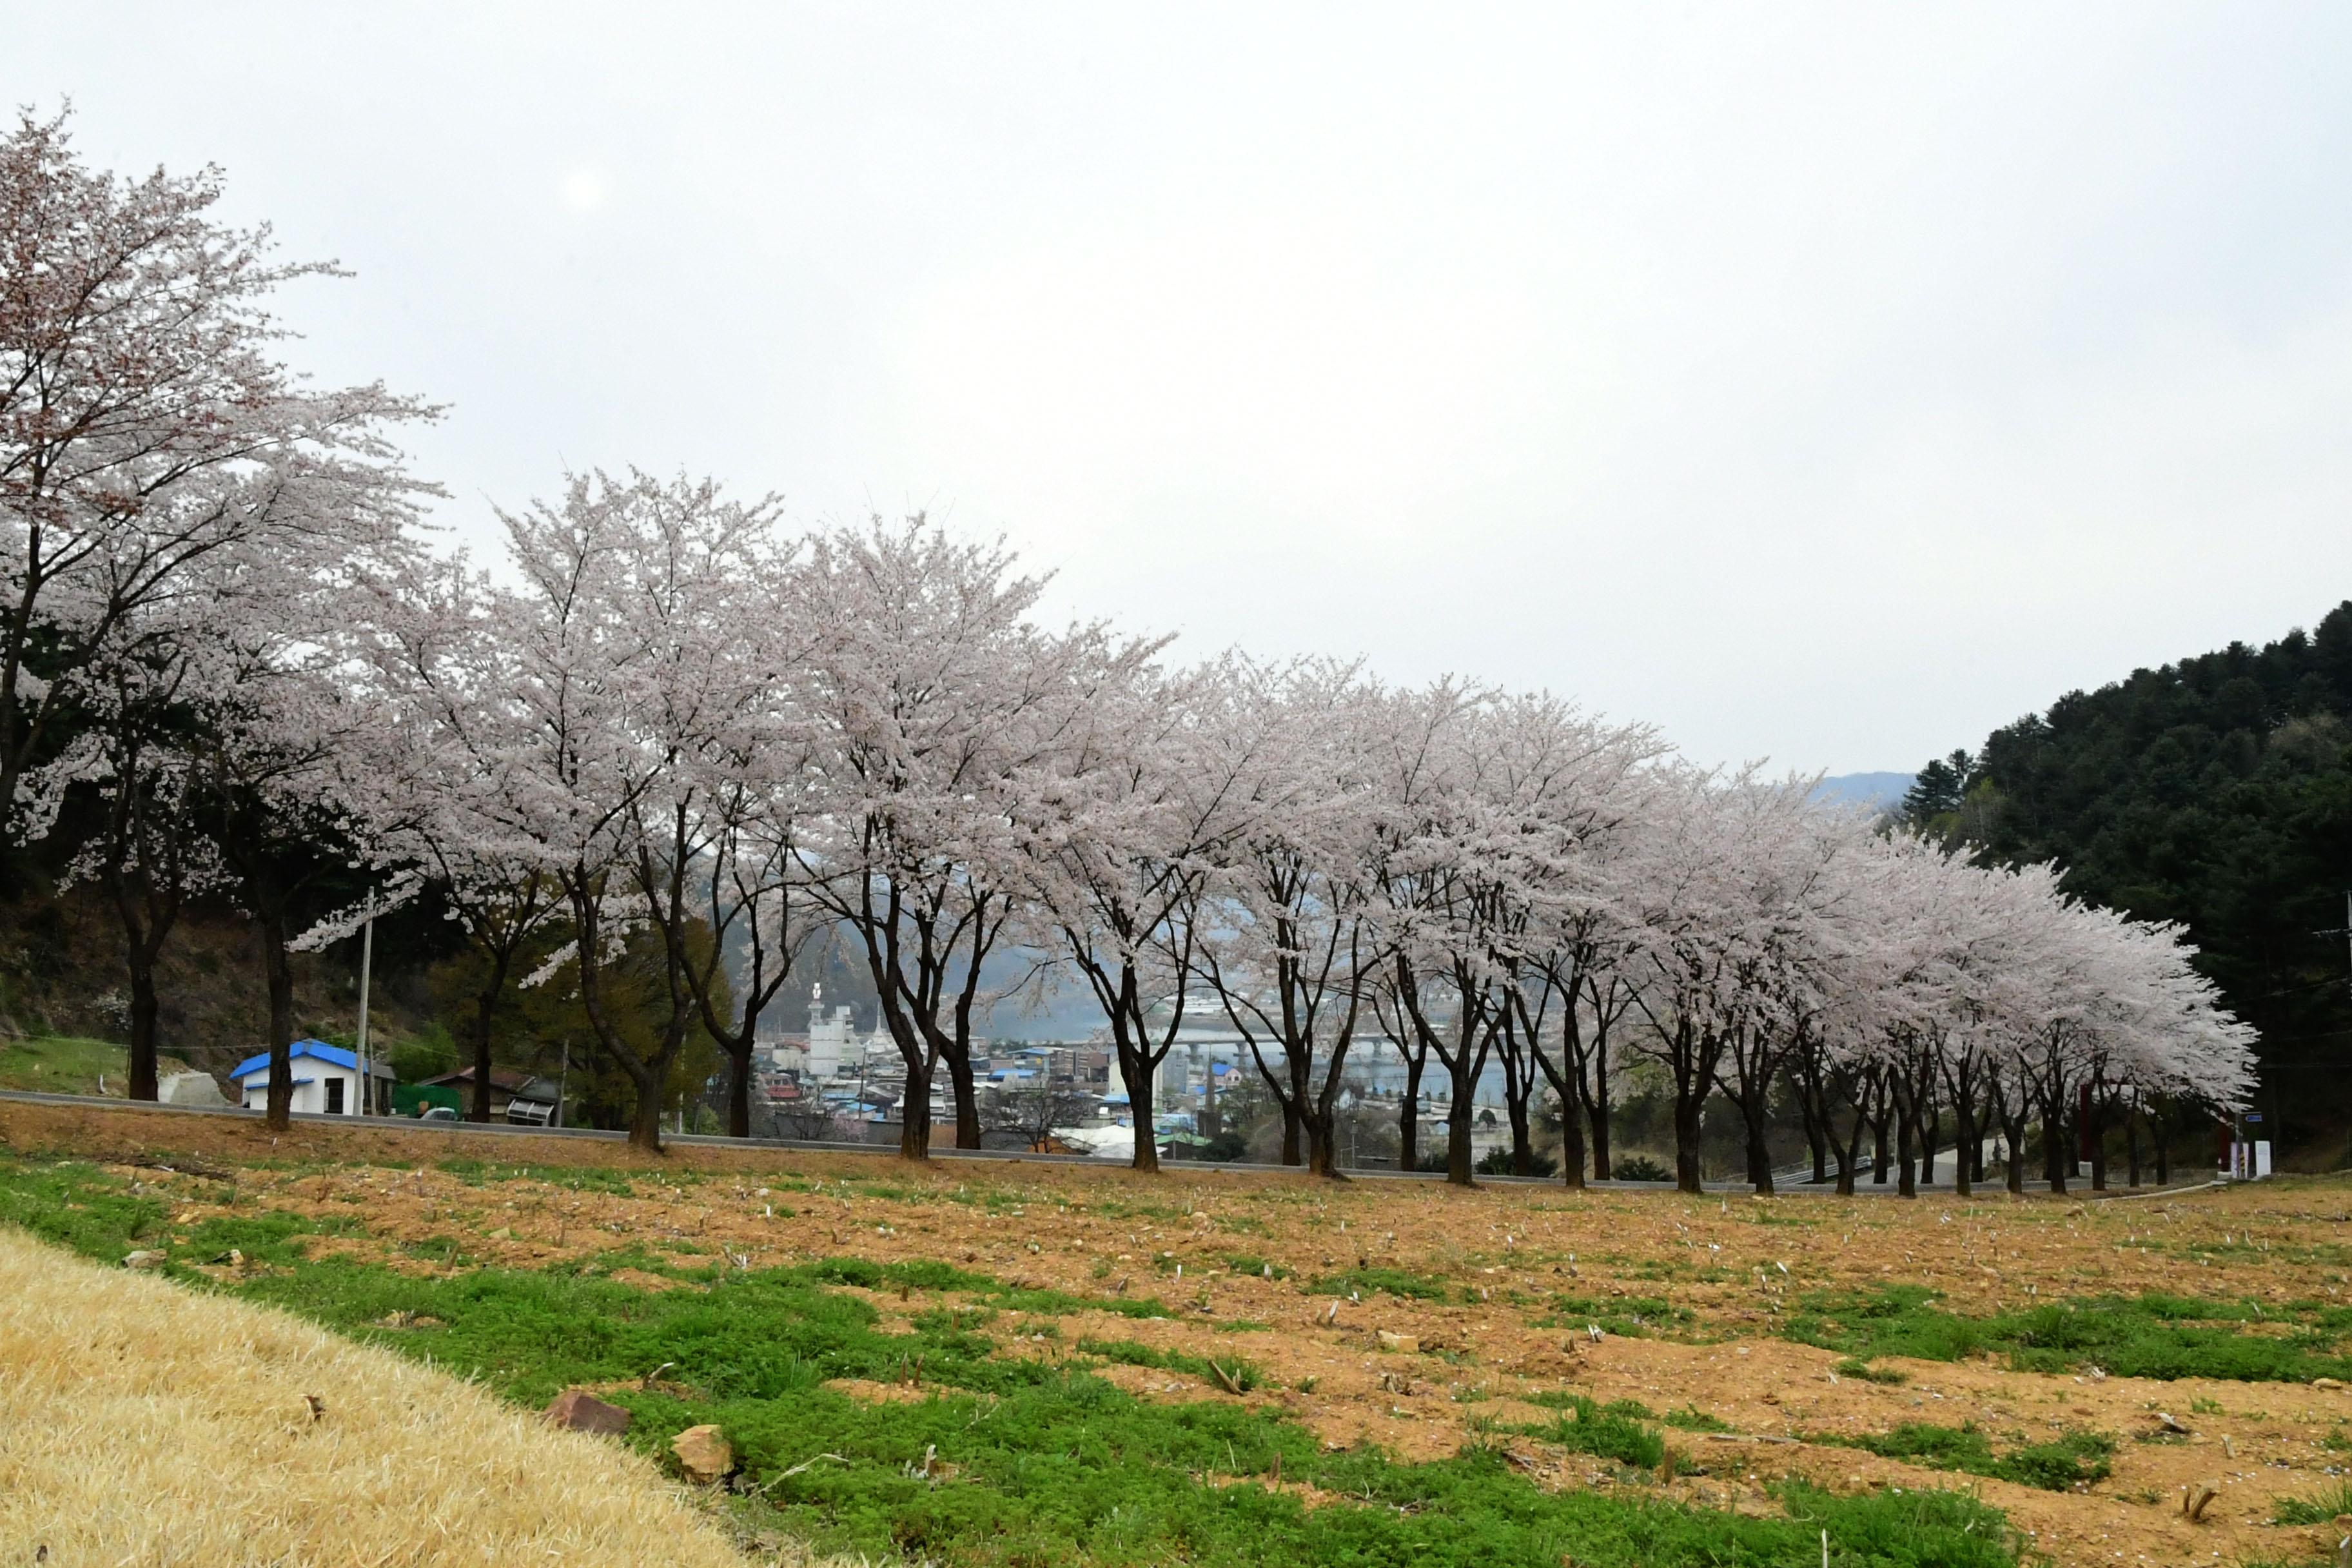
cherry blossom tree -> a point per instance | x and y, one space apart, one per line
934 706
1151 788
449 789
629 653
146 424
136 752
1286 948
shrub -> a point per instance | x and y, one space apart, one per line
1638 1168
1498 1161
428 1052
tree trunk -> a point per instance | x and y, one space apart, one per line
1816 1136
1760 1154
1408 1115
1689 1169
914 1112
967 1100
1457 1129
2053 1136
739 1056
1139 1104
1906 1123
278 967
1596 1107
1571 1139
146 1012
1880 1155
485 1007
2095 1129
142 942
2012 1132
2162 1135
1320 1157
1848 1155
1323 1118
645 1118
1294 1132
1967 1150
1523 1149
1930 1131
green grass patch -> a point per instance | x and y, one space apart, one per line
1691 1418
2072 1460
2320 1507
2154 1335
1618 1431
1630 1317
1128 1353
1395 1282
79 1206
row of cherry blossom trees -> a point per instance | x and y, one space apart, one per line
672 710
664 715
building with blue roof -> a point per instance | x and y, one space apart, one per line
326 1082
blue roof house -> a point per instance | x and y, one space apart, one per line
326 1082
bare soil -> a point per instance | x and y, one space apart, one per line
1199 1239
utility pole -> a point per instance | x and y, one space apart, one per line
367 962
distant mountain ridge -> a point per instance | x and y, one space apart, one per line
1884 791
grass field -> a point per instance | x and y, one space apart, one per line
1003 1364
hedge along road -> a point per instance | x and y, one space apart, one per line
883 1153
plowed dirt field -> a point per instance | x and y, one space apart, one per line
1418 1316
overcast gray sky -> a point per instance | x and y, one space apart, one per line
1830 384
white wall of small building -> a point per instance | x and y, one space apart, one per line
311 1098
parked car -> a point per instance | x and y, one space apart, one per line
437 1113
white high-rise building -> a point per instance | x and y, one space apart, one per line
831 1044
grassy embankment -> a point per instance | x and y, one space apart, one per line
143 1422
65 1064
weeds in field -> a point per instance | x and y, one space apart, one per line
2320 1509
1395 1282
2152 1335
2072 1460
1632 1317
1691 1418
1618 1431
1235 1372
572 1178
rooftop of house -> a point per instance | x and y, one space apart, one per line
317 1050
504 1079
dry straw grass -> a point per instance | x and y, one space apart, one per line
146 1424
